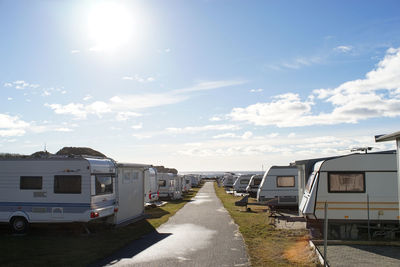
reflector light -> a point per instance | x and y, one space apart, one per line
94 214
150 195
115 209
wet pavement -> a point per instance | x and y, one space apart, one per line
200 234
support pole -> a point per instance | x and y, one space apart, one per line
326 235
369 233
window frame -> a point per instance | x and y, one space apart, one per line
286 176
74 193
112 184
22 177
346 172
163 184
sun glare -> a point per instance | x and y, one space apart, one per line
110 26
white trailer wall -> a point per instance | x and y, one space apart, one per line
130 192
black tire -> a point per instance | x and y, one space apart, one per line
19 225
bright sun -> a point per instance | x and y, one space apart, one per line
110 26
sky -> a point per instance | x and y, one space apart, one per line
206 85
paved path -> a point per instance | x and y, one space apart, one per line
362 256
200 234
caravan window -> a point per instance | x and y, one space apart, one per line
162 182
171 183
244 181
104 184
67 184
285 181
257 181
30 182
346 182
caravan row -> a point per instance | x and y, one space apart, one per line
79 189
357 193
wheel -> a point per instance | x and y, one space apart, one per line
19 225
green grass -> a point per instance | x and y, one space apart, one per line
266 245
66 245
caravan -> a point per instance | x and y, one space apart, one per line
151 193
279 187
229 179
361 192
254 184
170 186
241 183
57 189
186 184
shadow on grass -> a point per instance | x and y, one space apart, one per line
156 213
133 248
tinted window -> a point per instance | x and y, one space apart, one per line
257 181
285 181
30 182
67 184
244 181
104 184
346 182
161 183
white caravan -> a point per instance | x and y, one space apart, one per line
129 192
186 184
279 187
254 184
57 189
151 193
241 183
170 186
359 189
229 179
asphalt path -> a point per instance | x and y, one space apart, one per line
200 234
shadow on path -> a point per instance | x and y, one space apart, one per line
132 249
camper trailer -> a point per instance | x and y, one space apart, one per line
229 179
57 189
187 185
151 193
361 193
241 183
279 187
129 192
170 186
254 184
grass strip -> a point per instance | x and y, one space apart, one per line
266 245
65 245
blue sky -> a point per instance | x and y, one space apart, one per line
199 85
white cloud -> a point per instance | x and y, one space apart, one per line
12 126
63 129
123 116
201 86
76 110
259 90
141 136
215 118
377 95
139 78
137 126
246 135
75 51
343 48
124 104
46 93
87 98
134 102
20 84
9 98
99 108
196 129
